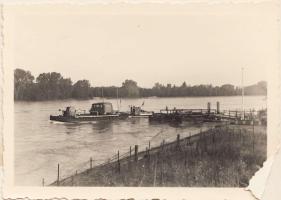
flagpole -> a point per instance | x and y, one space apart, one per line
102 94
117 99
242 83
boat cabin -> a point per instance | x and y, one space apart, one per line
135 110
103 108
69 112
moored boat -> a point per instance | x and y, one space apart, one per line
137 112
98 111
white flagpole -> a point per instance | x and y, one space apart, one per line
242 83
102 94
117 99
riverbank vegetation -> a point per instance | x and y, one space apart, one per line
53 86
220 157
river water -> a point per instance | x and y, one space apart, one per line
41 144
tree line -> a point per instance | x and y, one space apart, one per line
53 86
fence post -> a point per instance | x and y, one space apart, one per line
155 171
178 140
213 135
209 107
240 136
58 179
253 136
118 162
129 160
149 154
91 163
162 173
185 155
136 153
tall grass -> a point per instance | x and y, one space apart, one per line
221 157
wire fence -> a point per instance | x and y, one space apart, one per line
134 154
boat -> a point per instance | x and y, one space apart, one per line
98 111
138 112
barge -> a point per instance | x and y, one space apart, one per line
98 111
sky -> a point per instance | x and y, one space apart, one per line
197 44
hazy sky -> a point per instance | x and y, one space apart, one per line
197 44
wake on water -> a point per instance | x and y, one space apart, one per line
78 123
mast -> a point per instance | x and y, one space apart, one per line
242 83
117 98
102 94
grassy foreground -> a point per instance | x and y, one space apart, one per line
220 157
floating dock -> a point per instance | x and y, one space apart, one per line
210 115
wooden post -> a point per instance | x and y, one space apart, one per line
163 145
162 173
58 179
185 155
43 182
130 152
72 178
155 171
209 107
136 153
91 163
149 154
149 145
240 134
218 107
76 172
178 140
253 137
213 135
118 162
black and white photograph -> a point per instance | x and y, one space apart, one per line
139 95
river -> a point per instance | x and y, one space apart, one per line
41 144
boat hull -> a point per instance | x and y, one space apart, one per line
86 118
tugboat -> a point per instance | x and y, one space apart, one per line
98 111
137 111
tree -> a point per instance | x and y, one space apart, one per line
49 86
82 90
65 87
52 86
228 89
258 89
23 84
130 89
